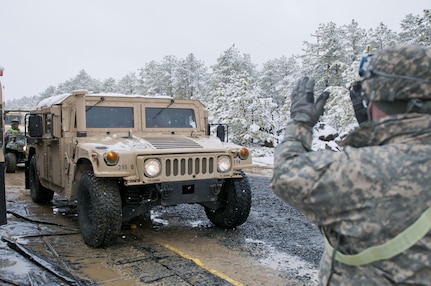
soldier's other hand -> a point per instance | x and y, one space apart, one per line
357 99
303 108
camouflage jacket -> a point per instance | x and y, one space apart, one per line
364 195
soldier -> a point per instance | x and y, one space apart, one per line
372 201
14 127
13 130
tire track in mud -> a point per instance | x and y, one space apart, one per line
132 260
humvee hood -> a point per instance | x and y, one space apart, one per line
153 143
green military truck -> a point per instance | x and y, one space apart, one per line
119 156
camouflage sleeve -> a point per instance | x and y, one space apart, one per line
298 136
297 172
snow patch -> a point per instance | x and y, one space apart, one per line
284 262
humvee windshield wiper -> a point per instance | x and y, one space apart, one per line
161 110
100 100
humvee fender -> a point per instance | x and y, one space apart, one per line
119 156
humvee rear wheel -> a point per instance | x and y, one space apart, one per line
39 194
11 160
235 200
99 210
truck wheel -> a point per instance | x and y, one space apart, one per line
99 210
10 160
39 194
235 198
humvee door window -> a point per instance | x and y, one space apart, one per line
109 117
170 118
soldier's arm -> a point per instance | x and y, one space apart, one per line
297 139
298 171
287 165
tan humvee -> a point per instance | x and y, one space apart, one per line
119 156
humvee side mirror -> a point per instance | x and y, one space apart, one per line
35 128
221 132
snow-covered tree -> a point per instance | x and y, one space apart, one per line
191 78
232 62
234 95
108 85
278 77
355 40
381 37
416 29
129 85
178 78
255 103
50 91
326 59
338 110
81 81
151 79
276 81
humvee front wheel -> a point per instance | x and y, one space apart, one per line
235 201
39 194
10 160
99 210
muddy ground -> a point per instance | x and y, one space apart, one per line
175 246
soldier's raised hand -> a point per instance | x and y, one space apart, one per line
303 107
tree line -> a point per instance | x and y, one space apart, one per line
254 101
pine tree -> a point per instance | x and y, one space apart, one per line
278 77
150 79
326 59
381 37
191 79
129 85
355 41
416 29
109 85
81 81
232 96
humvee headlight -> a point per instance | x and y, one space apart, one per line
152 167
223 164
244 153
111 158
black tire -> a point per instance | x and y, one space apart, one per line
10 162
235 198
39 194
99 210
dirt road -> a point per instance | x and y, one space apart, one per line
175 246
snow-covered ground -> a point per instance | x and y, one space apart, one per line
263 156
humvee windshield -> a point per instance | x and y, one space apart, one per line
170 118
109 117
8 119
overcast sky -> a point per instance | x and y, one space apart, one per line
46 42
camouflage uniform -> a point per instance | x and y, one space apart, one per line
11 131
363 196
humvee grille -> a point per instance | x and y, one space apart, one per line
189 166
172 142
